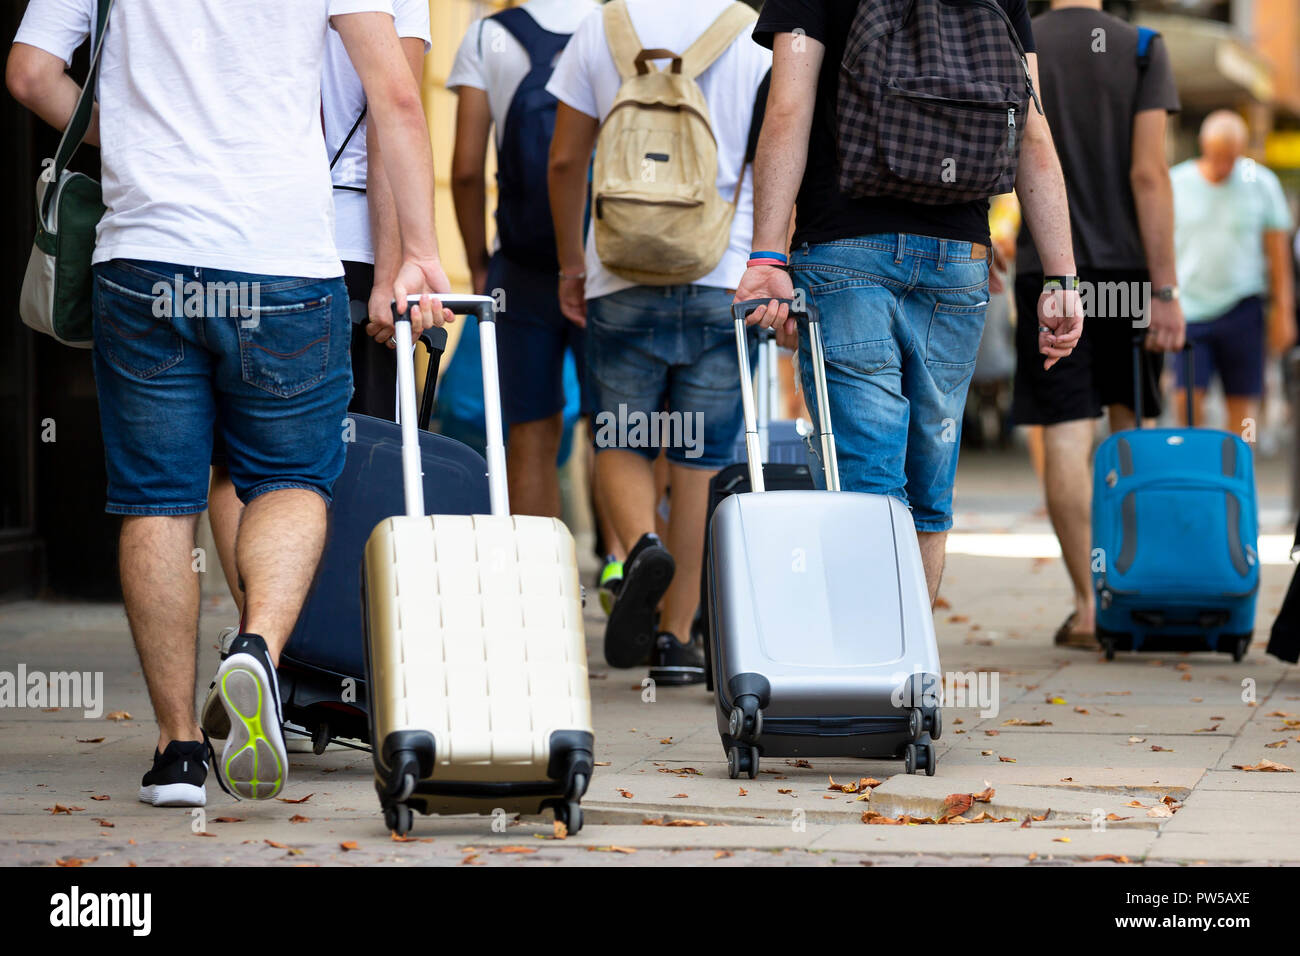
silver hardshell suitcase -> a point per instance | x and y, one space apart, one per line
825 641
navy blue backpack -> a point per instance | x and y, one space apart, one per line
523 199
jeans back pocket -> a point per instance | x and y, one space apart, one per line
284 349
130 332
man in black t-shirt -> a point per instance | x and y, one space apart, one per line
1107 103
901 287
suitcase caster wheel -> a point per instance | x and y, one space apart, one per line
1239 649
320 738
398 818
931 759
914 727
745 722
570 814
933 719
1108 646
742 760
909 759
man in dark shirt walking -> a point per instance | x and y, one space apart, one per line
1107 98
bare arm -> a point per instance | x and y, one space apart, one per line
39 80
394 109
566 179
1281 326
778 170
468 178
1153 196
385 234
1041 189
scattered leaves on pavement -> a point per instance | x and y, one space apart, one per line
661 822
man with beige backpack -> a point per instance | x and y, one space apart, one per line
665 91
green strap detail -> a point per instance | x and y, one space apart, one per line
80 121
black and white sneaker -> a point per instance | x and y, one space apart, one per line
630 630
178 775
676 663
212 718
254 763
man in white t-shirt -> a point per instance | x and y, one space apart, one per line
366 238
656 347
499 77
219 301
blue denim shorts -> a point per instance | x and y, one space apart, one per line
532 337
180 350
664 373
902 318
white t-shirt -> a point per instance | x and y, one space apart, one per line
587 80
341 100
212 152
492 60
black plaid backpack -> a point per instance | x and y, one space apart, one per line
932 100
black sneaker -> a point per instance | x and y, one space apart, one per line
630 631
676 663
178 775
254 762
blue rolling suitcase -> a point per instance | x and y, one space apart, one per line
1174 536
322 670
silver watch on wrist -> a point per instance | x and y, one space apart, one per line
1166 293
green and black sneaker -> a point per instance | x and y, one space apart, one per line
609 582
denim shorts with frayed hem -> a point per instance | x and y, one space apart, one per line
664 373
181 349
902 317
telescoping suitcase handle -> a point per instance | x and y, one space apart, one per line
1189 360
753 448
484 308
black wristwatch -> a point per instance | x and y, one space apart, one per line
1052 283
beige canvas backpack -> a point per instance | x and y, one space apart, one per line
657 213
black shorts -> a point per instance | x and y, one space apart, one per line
374 367
1099 372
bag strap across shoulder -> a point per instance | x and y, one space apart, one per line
624 44
714 41
80 120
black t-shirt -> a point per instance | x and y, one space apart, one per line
823 212
1092 86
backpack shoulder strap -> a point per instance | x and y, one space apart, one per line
1145 37
540 44
621 36
715 40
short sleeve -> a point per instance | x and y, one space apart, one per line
340 7
1017 12
1277 214
56 26
570 82
411 17
790 16
1156 88
467 68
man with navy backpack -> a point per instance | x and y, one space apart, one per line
499 77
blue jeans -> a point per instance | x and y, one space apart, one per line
902 317
262 358
663 372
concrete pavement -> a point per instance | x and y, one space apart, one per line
1089 761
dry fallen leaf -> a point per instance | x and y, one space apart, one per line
1275 744
986 753
396 838
722 854
799 764
610 849
661 822
117 715
666 740
100 796
1116 816
743 792
228 820
1165 750
955 804
75 861
958 618
1137 740
1112 857
1061 840
105 823
349 845
1160 810
786 790
1264 766
90 740
1007 759
299 800
60 808
1017 722
625 794
299 818
514 849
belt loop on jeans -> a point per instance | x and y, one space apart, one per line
943 253
901 250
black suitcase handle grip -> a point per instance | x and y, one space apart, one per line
740 311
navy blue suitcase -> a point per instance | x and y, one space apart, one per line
322 670
1174 538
